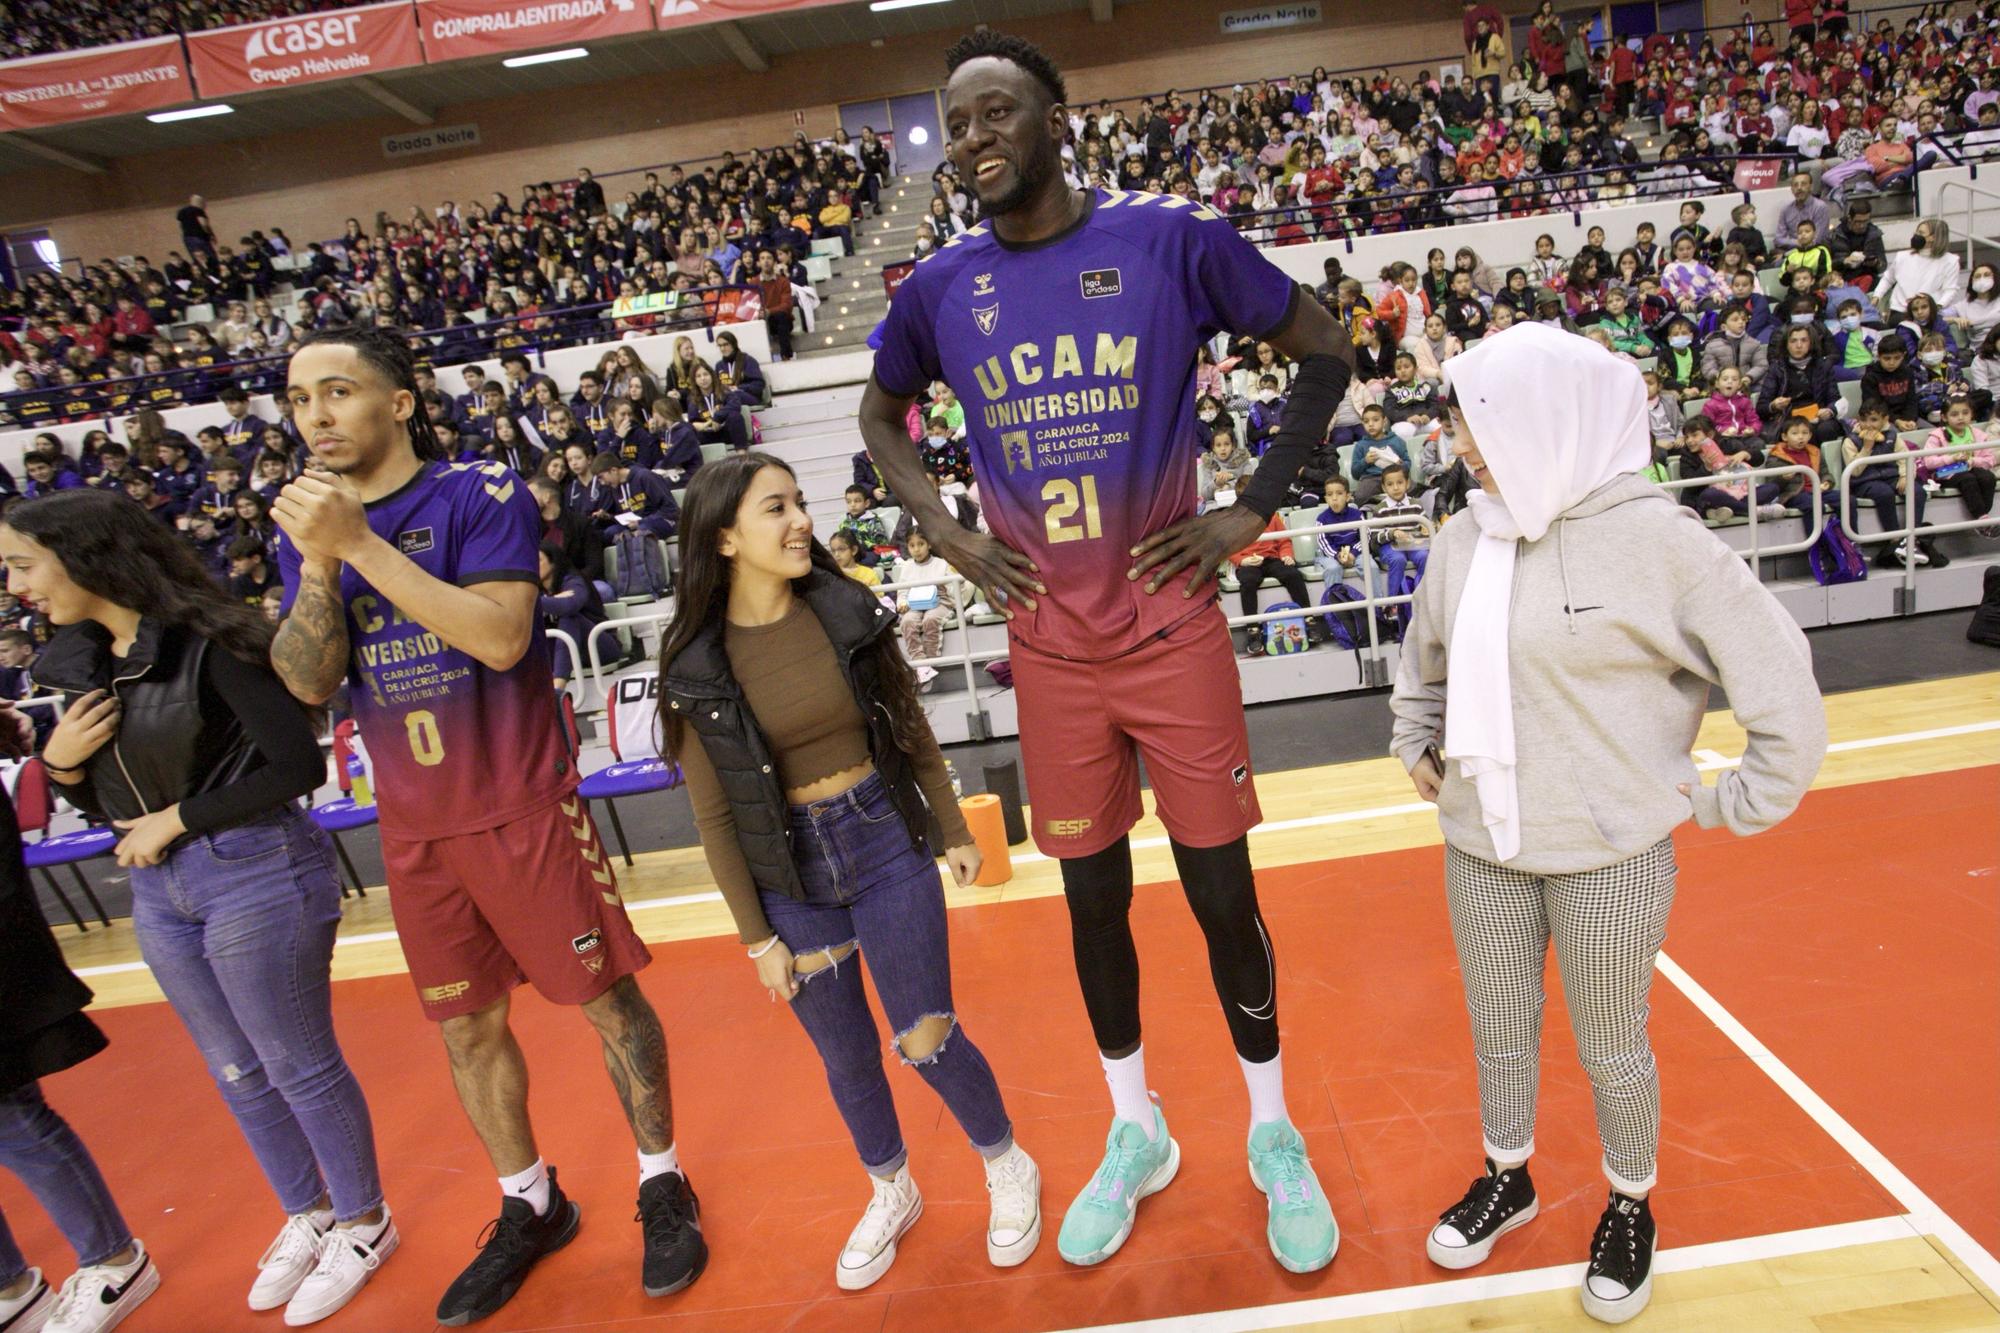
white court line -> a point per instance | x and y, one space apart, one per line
1431 1295
1710 762
1925 1215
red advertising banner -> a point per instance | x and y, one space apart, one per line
893 275
455 29
309 49
100 81
1761 173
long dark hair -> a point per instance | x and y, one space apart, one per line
113 549
701 590
388 350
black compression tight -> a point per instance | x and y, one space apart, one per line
1223 897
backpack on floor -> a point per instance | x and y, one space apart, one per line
642 568
1835 558
1985 626
1348 628
1285 636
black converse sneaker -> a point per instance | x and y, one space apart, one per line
1498 1202
510 1246
669 1218
1619 1280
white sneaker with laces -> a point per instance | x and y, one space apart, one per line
288 1258
1014 1227
347 1259
97 1299
27 1312
1773 511
871 1248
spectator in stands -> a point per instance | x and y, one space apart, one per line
1807 254
1970 470
197 233
1430 348
1273 560
1799 384
624 436
1928 266
1806 206
1689 282
1338 552
629 498
1857 249
861 522
1737 424
587 195
1732 345
569 603
1380 447
847 556
924 610
1873 434
1401 550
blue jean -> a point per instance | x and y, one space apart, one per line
38 1145
238 929
867 885
1400 563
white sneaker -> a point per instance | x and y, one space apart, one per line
1014 1227
27 1312
97 1298
871 1248
1773 511
288 1258
347 1259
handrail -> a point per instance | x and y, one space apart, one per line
1757 552
574 683
1903 457
1398 200
1965 229
452 350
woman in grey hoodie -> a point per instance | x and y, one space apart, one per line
1552 681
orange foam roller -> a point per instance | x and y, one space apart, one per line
989 831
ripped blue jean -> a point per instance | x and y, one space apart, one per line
870 889
238 928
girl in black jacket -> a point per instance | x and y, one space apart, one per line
43 1030
177 731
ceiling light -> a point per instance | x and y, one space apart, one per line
546 57
191 113
879 6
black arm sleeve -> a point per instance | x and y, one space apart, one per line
1316 393
275 724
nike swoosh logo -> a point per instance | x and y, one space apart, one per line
1579 610
112 1295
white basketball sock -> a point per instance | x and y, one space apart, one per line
1127 1077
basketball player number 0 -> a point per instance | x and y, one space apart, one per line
426 745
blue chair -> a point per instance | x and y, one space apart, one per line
336 818
67 849
631 777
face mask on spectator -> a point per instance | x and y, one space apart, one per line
1266 395
1931 358
1982 285
1802 318
1681 341
1850 322
1207 416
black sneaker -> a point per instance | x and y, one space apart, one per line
1498 1202
1619 1280
510 1246
669 1219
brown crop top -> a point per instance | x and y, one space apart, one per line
793 686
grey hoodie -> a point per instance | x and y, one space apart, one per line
1239 462
1623 615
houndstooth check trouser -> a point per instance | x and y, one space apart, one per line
1608 926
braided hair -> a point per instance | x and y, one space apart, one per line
388 351
985 42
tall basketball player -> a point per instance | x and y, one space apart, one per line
1068 323
415 580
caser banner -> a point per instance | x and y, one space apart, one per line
97 81
455 29
309 49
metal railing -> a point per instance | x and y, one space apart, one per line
1904 459
968 657
456 344
1757 551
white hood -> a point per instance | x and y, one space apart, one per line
1555 417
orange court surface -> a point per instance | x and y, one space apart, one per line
1826 1015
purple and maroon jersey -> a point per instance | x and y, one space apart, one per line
456 746
1074 358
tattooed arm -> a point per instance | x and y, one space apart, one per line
310 652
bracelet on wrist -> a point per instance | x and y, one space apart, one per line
765 947
58 768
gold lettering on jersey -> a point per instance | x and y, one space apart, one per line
1112 358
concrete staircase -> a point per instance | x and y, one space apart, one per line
852 303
